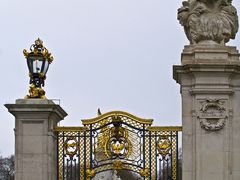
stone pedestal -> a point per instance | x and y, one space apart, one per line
35 141
210 88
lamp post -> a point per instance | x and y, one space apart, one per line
38 61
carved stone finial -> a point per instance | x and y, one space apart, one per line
209 21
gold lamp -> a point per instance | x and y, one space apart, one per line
38 61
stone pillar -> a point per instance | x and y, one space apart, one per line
210 88
35 141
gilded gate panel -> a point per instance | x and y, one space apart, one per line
117 141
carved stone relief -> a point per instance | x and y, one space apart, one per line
212 114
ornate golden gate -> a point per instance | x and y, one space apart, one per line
117 141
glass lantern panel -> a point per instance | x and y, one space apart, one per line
37 66
29 63
45 68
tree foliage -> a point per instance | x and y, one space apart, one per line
7 168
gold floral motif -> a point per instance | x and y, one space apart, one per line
164 145
90 173
118 144
71 146
25 52
144 172
117 165
117 147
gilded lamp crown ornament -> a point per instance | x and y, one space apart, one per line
38 61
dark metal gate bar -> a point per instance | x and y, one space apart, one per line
117 141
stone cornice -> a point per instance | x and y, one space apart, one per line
36 106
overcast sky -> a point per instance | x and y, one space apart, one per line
109 54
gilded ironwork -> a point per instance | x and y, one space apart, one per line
38 49
165 128
71 146
117 141
116 114
117 165
174 157
118 144
35 92
164 145
60 158
144 172
69 129
90 173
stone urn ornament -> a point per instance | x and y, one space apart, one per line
208 21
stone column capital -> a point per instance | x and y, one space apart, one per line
28 107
